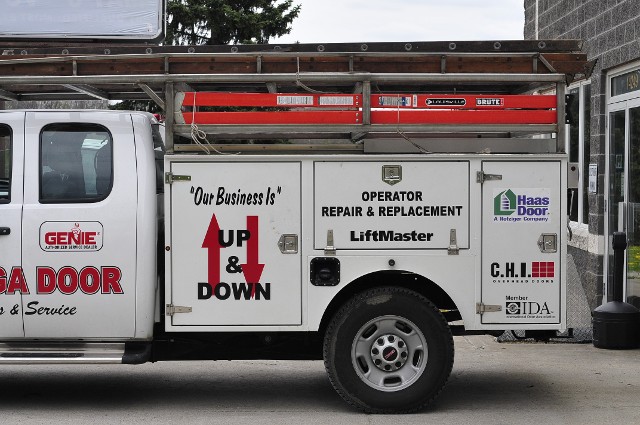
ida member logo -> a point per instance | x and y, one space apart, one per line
521 205
520 308
65 236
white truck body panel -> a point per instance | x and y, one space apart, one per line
447 182
426 198
517 211
226 225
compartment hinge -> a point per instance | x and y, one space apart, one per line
174 309
453 243
487 308
169 178
330 249
481 177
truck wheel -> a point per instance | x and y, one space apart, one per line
388 350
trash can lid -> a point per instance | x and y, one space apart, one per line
615 308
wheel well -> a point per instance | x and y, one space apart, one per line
404 279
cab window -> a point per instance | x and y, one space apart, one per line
5 164
76 163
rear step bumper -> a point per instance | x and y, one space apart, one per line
38 352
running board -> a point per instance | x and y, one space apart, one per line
21 352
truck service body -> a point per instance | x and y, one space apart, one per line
118 248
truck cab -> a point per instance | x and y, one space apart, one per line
78 225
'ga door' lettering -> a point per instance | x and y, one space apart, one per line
67 280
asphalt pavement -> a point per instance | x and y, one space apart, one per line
491 383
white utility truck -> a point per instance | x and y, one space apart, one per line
357 203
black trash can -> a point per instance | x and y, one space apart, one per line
616 325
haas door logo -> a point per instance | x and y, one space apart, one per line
505 203
519 205
65 236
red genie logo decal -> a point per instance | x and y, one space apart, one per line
64 236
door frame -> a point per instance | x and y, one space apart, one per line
15 121
623 102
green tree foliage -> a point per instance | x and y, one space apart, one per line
137 105
196 22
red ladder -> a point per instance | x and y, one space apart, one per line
389 109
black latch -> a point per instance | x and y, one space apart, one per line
325 271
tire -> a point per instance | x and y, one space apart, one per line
388 350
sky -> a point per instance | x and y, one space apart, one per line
345 21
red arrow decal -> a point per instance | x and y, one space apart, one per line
212 243
252 269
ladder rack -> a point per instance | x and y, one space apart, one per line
352 92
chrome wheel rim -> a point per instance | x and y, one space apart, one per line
389 353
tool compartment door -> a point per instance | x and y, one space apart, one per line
522 216
397 205
234 245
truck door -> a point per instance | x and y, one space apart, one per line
234 244
12 282
522 220
79 225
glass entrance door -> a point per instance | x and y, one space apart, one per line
624 192
633 208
